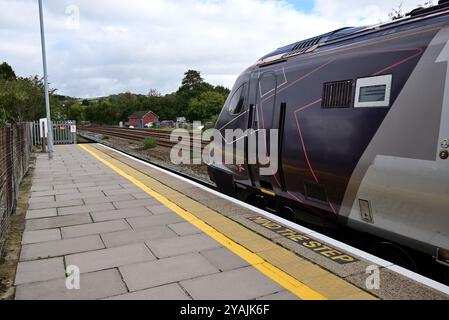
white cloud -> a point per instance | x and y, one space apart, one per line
136 45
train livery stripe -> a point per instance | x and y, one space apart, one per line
283 279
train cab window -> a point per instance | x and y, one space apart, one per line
237 102
373 92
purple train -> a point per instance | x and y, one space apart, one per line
363 120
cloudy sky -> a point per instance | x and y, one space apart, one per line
100 47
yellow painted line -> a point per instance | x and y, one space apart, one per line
277 275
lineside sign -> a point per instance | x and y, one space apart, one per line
305 241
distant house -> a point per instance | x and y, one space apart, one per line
142 119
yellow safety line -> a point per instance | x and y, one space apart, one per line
277 275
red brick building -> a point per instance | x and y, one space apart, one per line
140 119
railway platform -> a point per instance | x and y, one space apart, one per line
134 231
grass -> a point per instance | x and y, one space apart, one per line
149 143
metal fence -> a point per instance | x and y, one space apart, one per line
16 146
64 132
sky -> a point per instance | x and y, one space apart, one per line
100 47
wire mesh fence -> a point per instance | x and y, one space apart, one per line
16 145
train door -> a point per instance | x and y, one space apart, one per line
262 119
232 125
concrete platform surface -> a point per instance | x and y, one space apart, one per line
133 232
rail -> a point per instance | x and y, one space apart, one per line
139 135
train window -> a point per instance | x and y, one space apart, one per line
373 92
237 102
337 94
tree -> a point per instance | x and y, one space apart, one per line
192 80
22 100
85 103
193 85
6 72
398 13
222 90
154 93
77 113
207 105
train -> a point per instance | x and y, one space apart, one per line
362 115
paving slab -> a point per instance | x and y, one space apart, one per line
121 238
134 203
38 236
109 186
168 292
94 228
40 270
41 199
60 247
152 274
141 196
74 185
112 180
110 258
122 191
158 209
224 259
93 286
41 188
184 229
247 283
57 222
79 196
53 192
56 204
41 213
181 245
105 199
120 214
153 221
85 209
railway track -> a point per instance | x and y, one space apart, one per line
136 155
163 138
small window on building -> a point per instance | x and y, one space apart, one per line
237 103
373 92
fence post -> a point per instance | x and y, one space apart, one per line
9 168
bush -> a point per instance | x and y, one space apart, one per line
149 143
105 138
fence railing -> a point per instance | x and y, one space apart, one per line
16 146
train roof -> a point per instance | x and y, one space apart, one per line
310 44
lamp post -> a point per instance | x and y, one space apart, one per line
47 97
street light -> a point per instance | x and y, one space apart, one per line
47 97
